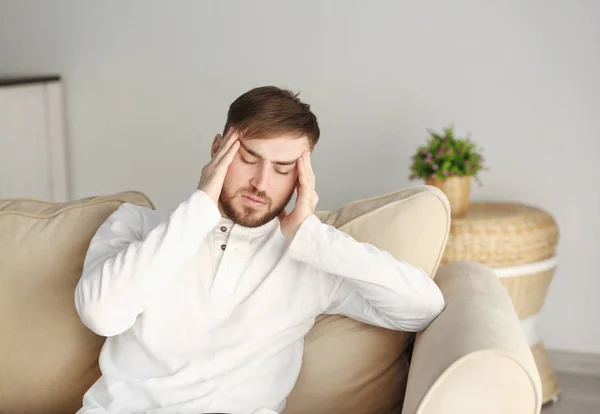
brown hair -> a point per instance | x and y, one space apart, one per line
269 111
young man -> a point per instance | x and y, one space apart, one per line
205 309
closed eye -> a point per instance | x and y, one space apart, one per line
245 161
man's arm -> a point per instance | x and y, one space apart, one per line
372 286
125 269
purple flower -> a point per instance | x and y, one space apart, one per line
435 167
445 172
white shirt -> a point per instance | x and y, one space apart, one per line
202 315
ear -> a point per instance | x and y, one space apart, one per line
217 141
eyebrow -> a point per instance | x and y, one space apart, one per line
255 154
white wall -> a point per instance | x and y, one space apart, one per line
148 84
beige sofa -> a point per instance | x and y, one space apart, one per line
472 359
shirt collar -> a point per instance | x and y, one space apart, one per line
249 231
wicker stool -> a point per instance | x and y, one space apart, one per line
518 242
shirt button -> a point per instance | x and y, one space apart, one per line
222 247
223 229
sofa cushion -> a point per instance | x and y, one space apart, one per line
48 358
351 367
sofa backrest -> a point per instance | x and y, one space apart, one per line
48 358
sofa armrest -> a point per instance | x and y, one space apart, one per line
474 357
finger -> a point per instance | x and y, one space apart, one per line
231 137
230 131
308 169
222 140
228 134
302 178
230 154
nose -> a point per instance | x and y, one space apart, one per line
260 179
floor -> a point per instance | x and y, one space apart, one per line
580 394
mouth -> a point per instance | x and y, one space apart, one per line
253 200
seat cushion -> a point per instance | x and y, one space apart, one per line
48 358
352 367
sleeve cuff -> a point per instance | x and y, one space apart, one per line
204 203
303 243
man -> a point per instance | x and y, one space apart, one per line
205 309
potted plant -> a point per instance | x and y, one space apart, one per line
448 163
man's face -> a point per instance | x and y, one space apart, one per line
261 179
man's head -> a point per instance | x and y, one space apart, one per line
276 128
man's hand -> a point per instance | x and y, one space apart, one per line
213 173
306 202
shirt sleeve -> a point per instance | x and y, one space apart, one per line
372 286
127 264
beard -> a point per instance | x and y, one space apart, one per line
248 216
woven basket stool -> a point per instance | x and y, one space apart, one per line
519 243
